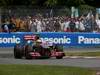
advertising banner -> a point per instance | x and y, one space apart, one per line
60 38
73 39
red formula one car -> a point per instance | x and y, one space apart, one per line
33 48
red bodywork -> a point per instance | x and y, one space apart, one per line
53 54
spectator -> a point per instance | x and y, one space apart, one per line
81 26
77 24
72 25
17 21
98 24
57 26
66 26
39 25
33 27
43 25
61 22
54 24
5 28
29 22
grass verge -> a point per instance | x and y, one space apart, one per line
43 70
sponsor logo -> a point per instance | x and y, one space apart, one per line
84 40
62 40
9 40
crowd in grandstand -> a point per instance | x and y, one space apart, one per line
84 23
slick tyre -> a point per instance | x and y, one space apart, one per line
17 52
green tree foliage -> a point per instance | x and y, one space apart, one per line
49 2
17 2
75 2
95 3
84 9
65 2
6 2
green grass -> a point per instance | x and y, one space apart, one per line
43 70
82 53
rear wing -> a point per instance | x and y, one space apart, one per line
29 37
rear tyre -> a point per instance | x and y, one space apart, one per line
17 52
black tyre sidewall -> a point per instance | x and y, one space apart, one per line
17 52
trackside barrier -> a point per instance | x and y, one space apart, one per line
60 38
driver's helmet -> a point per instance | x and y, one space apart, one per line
39 41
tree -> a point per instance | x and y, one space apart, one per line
6 2
16 2
75 3
95 3
51 2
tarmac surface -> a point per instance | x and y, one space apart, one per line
6 57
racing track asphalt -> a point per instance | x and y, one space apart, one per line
6 57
